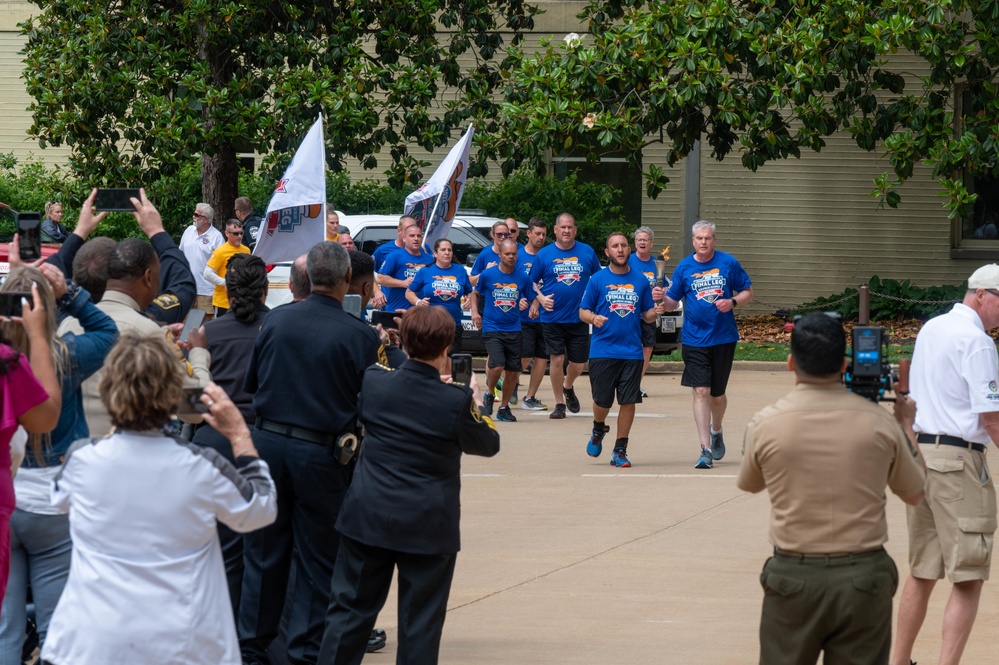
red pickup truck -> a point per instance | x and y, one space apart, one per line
48 249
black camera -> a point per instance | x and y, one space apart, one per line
870 374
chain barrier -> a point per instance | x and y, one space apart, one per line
830 305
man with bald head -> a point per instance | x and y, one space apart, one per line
388 248
505 291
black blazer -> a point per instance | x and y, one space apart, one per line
405 492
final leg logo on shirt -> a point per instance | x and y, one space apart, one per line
445 287
567 271
505 296
286 220
622 299
709 286
651 276
993 392
412 269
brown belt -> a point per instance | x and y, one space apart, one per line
947 440
826 559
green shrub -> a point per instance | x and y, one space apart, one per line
904 300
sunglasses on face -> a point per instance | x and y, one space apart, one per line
502 235
235 233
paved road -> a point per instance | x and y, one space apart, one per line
568 560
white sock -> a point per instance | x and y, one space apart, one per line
714 431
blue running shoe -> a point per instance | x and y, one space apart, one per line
506 415
487 404
717 446
620 459
596 444
705 461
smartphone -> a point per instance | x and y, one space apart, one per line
461 368
12 302
194 319
191 404
387 319
116 199
352 304
29 235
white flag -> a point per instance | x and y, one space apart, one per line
295 217
434 204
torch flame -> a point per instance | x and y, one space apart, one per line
665 253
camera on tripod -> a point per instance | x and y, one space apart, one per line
870 374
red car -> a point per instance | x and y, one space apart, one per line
48 249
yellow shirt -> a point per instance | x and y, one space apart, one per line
218 261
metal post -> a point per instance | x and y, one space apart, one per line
865 305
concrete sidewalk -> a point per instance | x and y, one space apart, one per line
566 559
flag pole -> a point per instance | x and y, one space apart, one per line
426 227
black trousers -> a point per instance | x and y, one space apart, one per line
361 582
231 542
311 486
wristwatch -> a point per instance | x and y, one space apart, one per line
734 302
65 301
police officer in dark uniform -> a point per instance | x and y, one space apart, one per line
305 374
402 508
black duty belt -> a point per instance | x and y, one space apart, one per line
310 435
946 440
827 559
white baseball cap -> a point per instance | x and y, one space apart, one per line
986 277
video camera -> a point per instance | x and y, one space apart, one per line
869 373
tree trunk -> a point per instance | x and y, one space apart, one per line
220 183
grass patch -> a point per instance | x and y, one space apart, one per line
764 352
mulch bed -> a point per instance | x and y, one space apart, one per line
770 329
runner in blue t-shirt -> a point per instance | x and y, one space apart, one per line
382 251
711 284
401 267
489 256
442 283
617 300
504 291
531 334
561 272
644 261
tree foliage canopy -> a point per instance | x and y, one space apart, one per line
766 79
136 89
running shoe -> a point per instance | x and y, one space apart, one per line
376 640
596 444
533 404
571 401
505 415
620 458
705 461
717 446
558 413
487 404
641 391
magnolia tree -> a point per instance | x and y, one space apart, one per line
765 80
137 89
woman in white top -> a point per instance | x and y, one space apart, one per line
146 583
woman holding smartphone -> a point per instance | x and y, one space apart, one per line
40 544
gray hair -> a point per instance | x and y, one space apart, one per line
206 210
645 229
703 224
298 278
328 264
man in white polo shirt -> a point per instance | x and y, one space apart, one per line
200 239
955 384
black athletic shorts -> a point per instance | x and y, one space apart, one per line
503 349
648 334
705 366
456 342
571 340
533 345
610 375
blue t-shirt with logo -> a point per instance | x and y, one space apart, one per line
647 268
402 265
700 285
444 287
622 299
563 273
502 293
524 263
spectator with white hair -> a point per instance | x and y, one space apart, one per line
199 241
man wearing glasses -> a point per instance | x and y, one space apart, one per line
490 256
215 269
200 239
954 381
